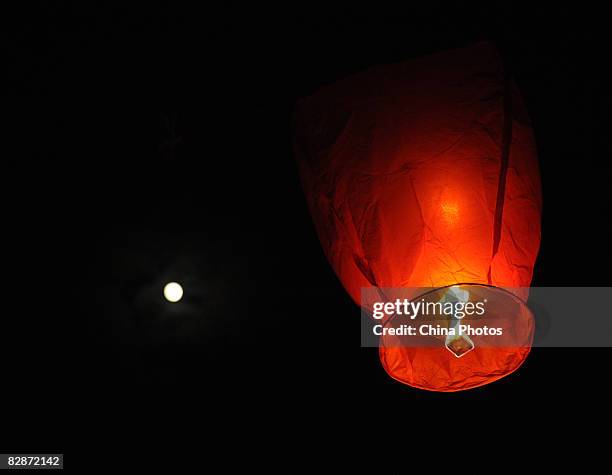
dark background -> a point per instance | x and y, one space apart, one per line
154 145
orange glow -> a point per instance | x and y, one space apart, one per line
425 174
450 213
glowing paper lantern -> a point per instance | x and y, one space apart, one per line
424 174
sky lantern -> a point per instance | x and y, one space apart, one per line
424 174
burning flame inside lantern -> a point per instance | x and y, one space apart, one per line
459 344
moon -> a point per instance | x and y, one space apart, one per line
173 292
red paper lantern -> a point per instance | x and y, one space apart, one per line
424 174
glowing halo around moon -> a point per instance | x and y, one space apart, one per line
173 292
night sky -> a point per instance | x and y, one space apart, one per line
154 145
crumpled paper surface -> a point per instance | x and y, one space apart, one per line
401 168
